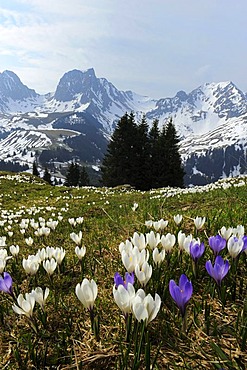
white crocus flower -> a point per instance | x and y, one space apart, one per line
158 257
87 292
14 250
234 246
26 305
199 222
31 265
127 246
238 231
80 252
160 225
29 241
59 255
149 224
52 224
130 260
79 220
225 233
2 265
152 239
50 266
135 206
40 296
145 308
72 221
41 254
76 237
168 241
143 273
50 252
178 219
3 241
139 241
123 297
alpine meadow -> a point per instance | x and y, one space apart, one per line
118 278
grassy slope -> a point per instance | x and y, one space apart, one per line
109 220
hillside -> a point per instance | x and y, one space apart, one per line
45 222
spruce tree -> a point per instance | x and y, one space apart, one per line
173 171
72 175
47 176
117 166
154 160
35 169
141 156
83 178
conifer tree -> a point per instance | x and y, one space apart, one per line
35 169
117 167
83 178
173 171
154 156
72 175
47 176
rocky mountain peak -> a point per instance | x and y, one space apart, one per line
11 87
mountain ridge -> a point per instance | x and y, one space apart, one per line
204 117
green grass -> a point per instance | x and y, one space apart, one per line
216 333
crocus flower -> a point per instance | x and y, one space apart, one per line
181 293
139 241
143 273
152 239
40 296
129 278
26 305
80 252
123 297
50 266
168 241
196 250
225 233
235 246
87 292
76 237
216 243
145 308
199 222
219 270
14 250
178 219
6 283
158 257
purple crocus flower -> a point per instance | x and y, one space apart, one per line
219 270
6 283
129 278
217 243
244 238
196 250
181 293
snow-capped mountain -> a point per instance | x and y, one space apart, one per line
77 119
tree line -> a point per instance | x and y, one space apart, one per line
141 157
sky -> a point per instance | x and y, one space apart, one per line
152 47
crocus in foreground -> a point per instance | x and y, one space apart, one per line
217 243
129 278
6 283
181 293
26 305
87 292
196 250
145 308
219 270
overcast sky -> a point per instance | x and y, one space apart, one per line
152 47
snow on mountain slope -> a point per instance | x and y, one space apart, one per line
232 132
18 141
